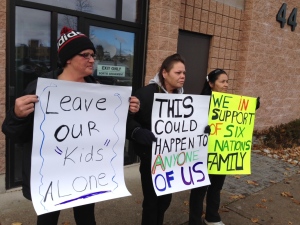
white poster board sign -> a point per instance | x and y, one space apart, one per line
78 144
179 157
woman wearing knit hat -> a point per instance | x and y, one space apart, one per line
77 56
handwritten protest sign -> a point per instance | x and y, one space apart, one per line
231 120
78 144
180 154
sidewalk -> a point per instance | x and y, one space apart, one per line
266 200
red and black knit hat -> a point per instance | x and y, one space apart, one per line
71 43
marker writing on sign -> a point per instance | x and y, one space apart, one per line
162 181
232 161
173 106
179 144
67 104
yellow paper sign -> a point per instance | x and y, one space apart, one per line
231 120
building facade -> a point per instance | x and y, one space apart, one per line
256 42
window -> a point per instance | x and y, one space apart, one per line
115 54
130 11
99 7
32 45
66 20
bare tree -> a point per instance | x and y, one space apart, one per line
83 5
70 21
80 5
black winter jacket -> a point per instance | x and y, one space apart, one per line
142 118
21 131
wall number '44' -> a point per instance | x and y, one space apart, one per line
291 20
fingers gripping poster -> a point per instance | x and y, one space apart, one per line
78 144
179 156
231 120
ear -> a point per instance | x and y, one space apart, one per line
68 62
211 85
164 73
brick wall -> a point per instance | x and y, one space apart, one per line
269 62
2 79
209 17
222 22
162 33
261 58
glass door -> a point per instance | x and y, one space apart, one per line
115 62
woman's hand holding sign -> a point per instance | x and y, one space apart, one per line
134 104
25 105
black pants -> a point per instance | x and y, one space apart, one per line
154 207
213 198
84 215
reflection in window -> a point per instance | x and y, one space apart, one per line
66 20
99 7
32 50
32 45
114 50
131 10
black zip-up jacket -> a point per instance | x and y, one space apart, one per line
142 118
21 130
